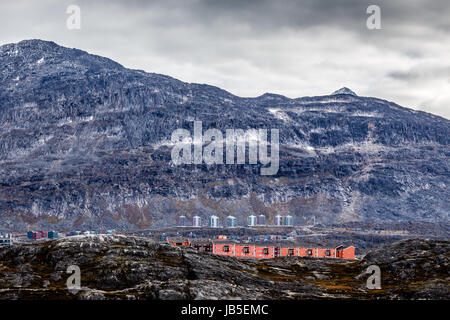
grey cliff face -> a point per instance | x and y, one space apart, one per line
84 143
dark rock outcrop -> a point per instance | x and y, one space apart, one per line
118 267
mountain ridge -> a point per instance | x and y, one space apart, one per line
52 44
83 143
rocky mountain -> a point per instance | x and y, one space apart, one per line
85 143
118 267
344 90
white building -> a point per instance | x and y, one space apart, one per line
231 222
182 221
262 220
214 221
251 221
196 221
288 221
278 220
6 239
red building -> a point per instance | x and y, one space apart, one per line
243 250
347 253
179 241
35 235
261 252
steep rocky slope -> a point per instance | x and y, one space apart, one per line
84 144
116 267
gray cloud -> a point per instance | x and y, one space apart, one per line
249 47
423 73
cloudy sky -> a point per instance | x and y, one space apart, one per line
249 47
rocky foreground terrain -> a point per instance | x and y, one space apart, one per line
85 144
118 267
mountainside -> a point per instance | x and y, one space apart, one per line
85 143
117 267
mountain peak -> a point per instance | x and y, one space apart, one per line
32 44
34 51
344 90
271 96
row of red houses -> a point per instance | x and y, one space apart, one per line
244 250
258 251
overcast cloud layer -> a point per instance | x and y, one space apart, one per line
249 47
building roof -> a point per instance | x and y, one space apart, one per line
177 239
